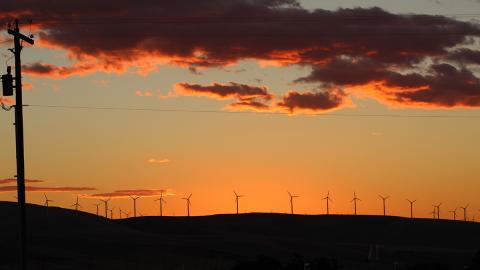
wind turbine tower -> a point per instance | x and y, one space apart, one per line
161 200
411 207
354 200
384 199
454 212
438 209
327 198
187 200
47 202
464 212
291 201
236 199
97 205
105 202
135 205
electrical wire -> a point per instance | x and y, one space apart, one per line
439 116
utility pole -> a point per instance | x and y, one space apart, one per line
18 39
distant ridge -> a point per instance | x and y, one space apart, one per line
68 238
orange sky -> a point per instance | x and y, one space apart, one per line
260 126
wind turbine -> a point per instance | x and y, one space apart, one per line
47 201
120 212
384 199
464 212
76 204
134 204
187 200
411 207
236 199
291 201
161 200
354 200
328 199
438 209
106 206
97 205
454 212
111 212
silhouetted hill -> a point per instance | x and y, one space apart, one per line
66 239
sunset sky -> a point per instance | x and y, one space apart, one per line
257 96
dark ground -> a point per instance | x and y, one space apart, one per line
76 240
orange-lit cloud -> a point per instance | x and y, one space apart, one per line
146 93
131 192
295 102
46 189
249 105
259 99
7 100
158 161
342 52
27 86
224 91
13 180
442 85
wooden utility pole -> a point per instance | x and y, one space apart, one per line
18 39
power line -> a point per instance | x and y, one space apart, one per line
440 116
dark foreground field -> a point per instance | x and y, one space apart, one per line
76 240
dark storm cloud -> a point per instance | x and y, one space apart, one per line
249 105
311 101
223 91
445 86
344 48
466 56
229 30
346 72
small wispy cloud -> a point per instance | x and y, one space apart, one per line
7 100
13 180
6 189
27 86
146 93
158 161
